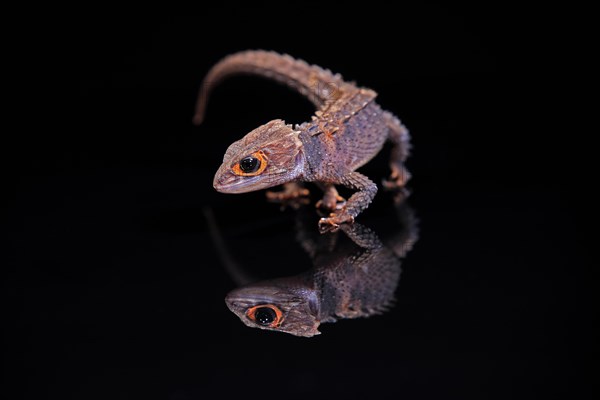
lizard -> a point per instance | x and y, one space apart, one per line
355 278
347 130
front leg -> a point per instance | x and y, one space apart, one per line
293 195
360 200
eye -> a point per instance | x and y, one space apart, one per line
251 165
265 315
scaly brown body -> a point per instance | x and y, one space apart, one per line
347 131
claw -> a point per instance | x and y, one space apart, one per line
390 184
333 222
294 197
397 180
331 204
327 225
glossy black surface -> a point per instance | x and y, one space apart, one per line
113 289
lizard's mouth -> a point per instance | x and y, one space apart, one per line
226 182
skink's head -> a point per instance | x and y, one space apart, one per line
272 305
268 156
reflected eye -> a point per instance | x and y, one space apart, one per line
251 165
265 315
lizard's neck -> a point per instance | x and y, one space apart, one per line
311 153
304 170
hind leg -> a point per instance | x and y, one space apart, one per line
398 135
331 199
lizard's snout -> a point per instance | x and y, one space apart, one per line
224 179
227 182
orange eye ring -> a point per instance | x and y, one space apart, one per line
262 159
267 315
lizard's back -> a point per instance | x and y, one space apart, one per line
346 138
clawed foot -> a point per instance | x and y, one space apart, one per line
331 203
333 222
397 180
293 196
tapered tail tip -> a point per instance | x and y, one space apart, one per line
198 119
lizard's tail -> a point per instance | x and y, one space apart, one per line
319 85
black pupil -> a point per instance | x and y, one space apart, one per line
249 164
264 315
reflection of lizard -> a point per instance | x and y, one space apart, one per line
347 130
350 279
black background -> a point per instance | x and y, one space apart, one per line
114 289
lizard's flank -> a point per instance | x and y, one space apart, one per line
347 131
